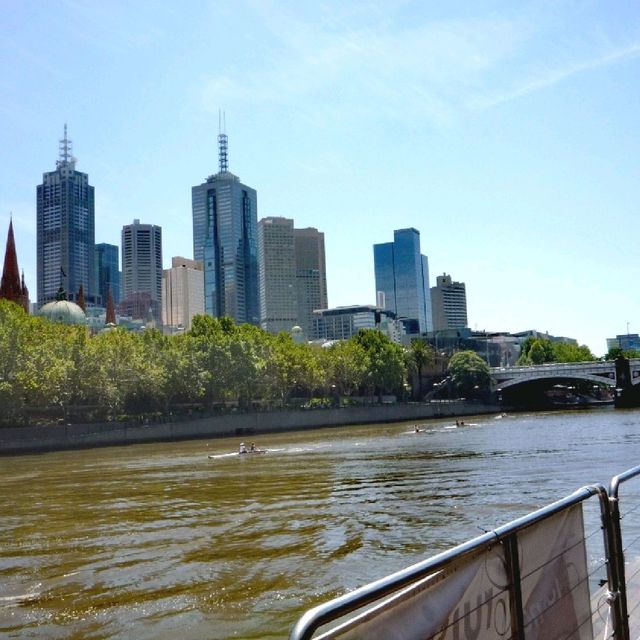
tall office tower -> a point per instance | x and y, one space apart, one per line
402 275
449 304
225 226
311 277
108 272
182 293
277 275
142 270
66 230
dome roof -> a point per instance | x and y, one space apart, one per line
63 311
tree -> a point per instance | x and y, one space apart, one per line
386 369
419 355
345 365
470 374
616 352
536 351
566 352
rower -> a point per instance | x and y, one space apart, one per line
252 449
243 448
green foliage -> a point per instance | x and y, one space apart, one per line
53 371
419 355
470 374
536 351
541 350
345 366
386 371
616 352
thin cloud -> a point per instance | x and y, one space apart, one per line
420 71
551 76
373 68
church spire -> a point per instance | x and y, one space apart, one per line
81 301
111 312
10 287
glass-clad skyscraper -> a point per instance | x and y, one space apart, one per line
108 271
225 222
402 279
65 230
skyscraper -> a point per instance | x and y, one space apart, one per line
311 276
182 293
65 229
142 270
108 274
449 304
402 277
225 239
277 269
293 281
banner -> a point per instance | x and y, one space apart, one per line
470 600
554 578
467 602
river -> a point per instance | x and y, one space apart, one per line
161 541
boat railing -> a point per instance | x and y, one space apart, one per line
558 572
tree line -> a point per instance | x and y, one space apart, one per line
50 370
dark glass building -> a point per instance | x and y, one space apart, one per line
65 230
225 224
402 280
108 271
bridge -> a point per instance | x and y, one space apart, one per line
620 374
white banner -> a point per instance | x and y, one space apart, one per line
554 578
468 602
472 601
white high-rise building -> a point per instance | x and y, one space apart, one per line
182 293
448 304
141 270
277 275
293 281
311 276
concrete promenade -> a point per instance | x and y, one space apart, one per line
31 439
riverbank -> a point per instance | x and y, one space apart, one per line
56 437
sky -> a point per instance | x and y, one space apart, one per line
506 132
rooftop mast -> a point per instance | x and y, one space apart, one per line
222 142
66 158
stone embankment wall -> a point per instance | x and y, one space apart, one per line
75 436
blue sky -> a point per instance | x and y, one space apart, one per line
505 132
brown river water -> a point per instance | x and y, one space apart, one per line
161 541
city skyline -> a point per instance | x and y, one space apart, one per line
504 132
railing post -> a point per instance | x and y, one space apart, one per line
515 589
618 586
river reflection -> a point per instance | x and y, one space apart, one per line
155 541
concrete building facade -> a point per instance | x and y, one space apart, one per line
142 270
311 276
182 294
448 304
277 275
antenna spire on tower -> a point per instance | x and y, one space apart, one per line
66 157
222 142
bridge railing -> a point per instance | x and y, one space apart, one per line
558 572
